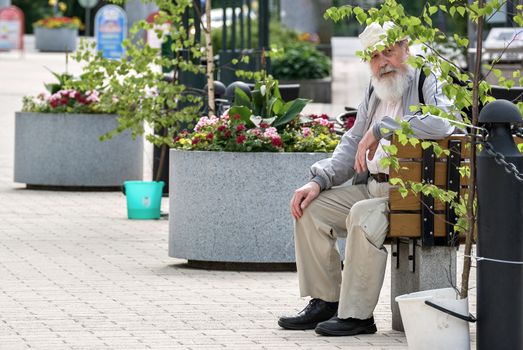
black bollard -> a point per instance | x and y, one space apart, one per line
500 235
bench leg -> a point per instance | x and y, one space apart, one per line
434 267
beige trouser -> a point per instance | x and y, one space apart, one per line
359 212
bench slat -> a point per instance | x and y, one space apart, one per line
409 151
412 202
413 172
409 225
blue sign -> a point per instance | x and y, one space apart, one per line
110 28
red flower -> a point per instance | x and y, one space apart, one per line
236 116
349 122
264 125
240 139
240 128
276 142
221 128
195 141
177 138
324 116
209 136
227 134
54 103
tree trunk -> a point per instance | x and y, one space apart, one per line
471 216
210 59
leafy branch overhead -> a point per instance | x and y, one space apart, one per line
143 87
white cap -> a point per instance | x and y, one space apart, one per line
375 34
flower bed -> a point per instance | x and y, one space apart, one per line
311 133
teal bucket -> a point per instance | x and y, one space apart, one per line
144 199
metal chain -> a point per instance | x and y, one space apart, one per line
500 159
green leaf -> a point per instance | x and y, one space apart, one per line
413 141
403 191
257 101
244 112
426 144
241 98
293 109
396 180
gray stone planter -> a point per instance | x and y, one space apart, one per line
55 40
64 150
318 90
234 207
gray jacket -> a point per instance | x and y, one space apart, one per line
340 167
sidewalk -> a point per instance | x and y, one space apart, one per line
76 274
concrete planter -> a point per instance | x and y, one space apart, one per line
64 150
318 90
234 206
56 39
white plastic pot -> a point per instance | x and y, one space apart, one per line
435 320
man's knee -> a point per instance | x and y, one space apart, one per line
369 220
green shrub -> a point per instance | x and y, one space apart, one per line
279 36
301 61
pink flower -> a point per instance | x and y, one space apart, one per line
205 121
240 139
306 132
92 96
271 133
322 121
256 132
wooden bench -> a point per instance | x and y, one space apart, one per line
421 229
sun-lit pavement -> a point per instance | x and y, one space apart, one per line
76 274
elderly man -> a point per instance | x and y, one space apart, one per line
343 301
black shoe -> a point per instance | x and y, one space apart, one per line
317 311
346 326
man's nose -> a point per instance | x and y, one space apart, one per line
382 61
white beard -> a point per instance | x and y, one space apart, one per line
391 89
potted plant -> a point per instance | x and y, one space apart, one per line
57 140
301 63
57 33
232 178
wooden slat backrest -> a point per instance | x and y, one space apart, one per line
405 213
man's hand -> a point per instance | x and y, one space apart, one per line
368 142
303 196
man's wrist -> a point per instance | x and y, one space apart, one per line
376 131
319 181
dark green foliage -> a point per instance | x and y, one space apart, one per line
279 36
301 61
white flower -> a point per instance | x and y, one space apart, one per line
263 89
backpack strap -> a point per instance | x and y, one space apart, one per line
421 80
